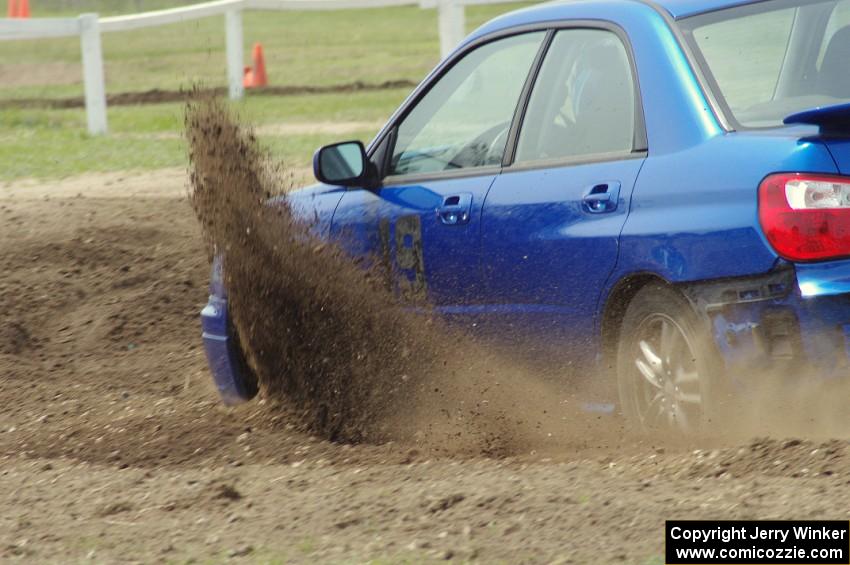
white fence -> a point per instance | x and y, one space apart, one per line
451 26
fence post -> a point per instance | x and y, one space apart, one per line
235 52
451 24
95 88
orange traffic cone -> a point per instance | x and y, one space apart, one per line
260 78
23 8
12 9
255 77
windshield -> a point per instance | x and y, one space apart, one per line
771 59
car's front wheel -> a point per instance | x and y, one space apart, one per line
665 365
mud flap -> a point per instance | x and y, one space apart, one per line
231 375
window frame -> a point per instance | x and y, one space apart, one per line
684 29
639 142
535 61
382 147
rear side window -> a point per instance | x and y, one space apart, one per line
583 102
463 120
746 55
768 60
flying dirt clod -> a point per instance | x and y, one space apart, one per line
317 330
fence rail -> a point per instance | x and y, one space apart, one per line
172 16
38 28
89 27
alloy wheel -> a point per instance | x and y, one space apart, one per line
667 395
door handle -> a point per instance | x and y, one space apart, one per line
455 209
602 197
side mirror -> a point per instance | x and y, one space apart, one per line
344 164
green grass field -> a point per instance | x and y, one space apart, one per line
301 48
53 143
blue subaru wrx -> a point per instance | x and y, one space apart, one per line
656 193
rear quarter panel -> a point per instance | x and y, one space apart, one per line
694 213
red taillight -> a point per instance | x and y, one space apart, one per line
806 217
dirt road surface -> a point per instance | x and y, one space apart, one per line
114 448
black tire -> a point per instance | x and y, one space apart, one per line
667 365
249 387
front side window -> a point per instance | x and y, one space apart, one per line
772 59
583 102
463 120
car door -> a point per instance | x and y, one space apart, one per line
552 219
442 155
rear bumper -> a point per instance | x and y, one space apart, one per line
794 321
824 279
231 375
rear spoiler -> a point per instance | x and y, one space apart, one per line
832 120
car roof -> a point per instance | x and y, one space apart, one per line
685 8
583 9
676 8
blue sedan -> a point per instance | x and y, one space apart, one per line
653 194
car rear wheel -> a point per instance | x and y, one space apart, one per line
665 365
